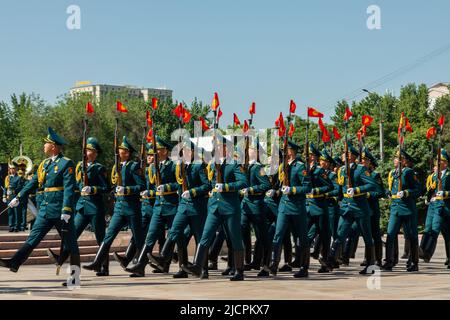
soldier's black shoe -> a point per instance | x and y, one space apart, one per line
137 274
413 267
204 275
100 257
387 266
315 255
194 269
285 268
365 271
295 264
161 263
323 269
123 261
157 271
273 269
181 274
227 271
7 264
302 273
263 273
363 264
237 277
104 272
212 266
175 257
247 267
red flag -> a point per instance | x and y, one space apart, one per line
336 134
204 124
219 114
149 136
364 130
348 114
121 107
179 110
367 120
252 108
236 120
400 125
280 124
292 106
278 120
325 134
431 133
149 119
215 103
291 130
313 113
359 134
408 125
155 103
245 126
441 121
321 125
186 116
89 108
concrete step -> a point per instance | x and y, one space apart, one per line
21 237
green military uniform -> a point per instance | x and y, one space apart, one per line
440 211
22 221
190 216
90 207
292 212
223 207
56 176
403 211
354 208
164 209
334 197
317 205
13 185
252 207
126 207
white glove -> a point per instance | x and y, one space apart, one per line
144 193
8 192
286 190
86 190
14 203
433 199
4 200
351 192
120 190
400 194
270 193
186 195
160 188
219 187
65 217
244 192
440 194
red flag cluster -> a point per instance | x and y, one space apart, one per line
182 113
89 108
313 113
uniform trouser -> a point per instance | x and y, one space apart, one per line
13 217
184 226
345 228
232 226
287 244
217 244
23 216
41 227
259 223
322 227
299 228
157 227
410 231
118 221
441 222
333 214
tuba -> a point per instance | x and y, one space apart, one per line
24 161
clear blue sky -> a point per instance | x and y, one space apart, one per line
315 52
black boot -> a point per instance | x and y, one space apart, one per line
304 263
258 256
390 254
182 261
369 256
238 257
346 252
423 243
276 257
163 261
230 264
104 272
100 257
316 248
414 252
129 255
406 249
138 270
331 261
200 259
52 255
18 259
430 247
297 260
379 253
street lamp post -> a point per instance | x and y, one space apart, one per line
381 129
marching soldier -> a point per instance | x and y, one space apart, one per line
292 211
440 210
13 184
165 207
126 207
403 211
369 161
223 207
253 206
22 221
354 208
317 205
191 212
90 207
56 176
